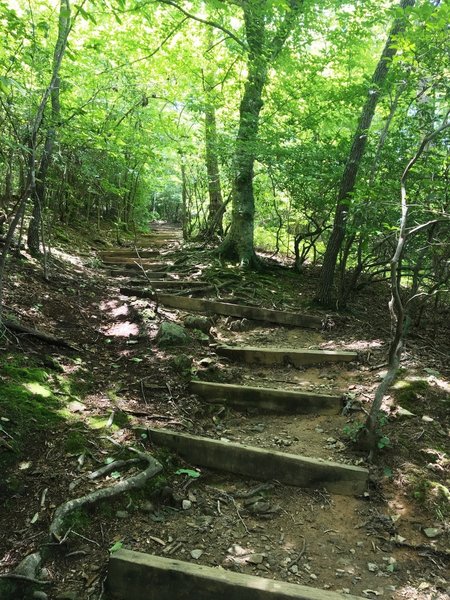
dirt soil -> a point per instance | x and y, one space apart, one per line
392 542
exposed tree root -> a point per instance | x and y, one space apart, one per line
132 483
45 337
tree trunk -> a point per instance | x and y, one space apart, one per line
398 312
216 207
325 291
239 242
38 190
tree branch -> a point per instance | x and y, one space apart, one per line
206 22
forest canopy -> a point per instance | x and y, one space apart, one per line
286 124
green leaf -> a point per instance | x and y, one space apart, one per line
117 546
189 472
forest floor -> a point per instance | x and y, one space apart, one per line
65 412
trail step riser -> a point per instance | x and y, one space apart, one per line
211 307
130 254
149 268
268 399
138 576
262 464
284 356
127 260
167 284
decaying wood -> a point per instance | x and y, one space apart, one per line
132 483
45 337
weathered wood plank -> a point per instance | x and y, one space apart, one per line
127 260
262 464
172 283
237 310
147 266
283 356
268 399
132 272
138 576
127 253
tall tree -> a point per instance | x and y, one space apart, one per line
265 37
38 188
354 160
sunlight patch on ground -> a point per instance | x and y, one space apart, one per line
73 260
37 389
125 329
360 345
120 311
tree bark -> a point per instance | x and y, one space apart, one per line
396 306
348 181
239 242
216 207
38 191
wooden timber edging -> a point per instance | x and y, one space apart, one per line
268 399
240 311
127 260
171 283
128 253
148 267
142 281
142 576
263 464
283 356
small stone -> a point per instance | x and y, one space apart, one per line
427 419
148 506
67 595
186 504
171 334
256 559
122 514
294 569
432 532
403 412
373 567
318 430
312 576
196 553
38 595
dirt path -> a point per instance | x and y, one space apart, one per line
371 545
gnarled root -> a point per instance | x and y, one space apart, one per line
132 483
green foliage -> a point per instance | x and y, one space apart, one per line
26 401
408 393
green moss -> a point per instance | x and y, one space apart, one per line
407 392
75 442
78 520
98 422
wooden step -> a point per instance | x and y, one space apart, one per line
255 313
127 260
172 283
148 292
268 399
137 576
127 272
129 253
149 266
262 464
284 356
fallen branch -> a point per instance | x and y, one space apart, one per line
113 466
24 578
45 337
132 483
